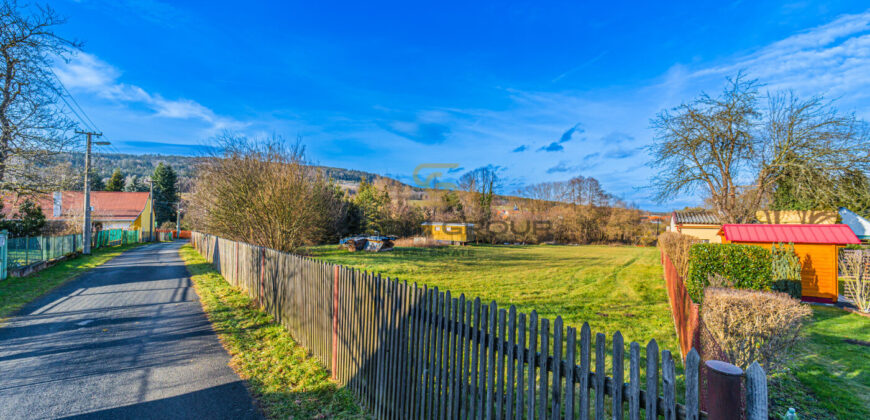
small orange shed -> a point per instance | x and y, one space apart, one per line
816 245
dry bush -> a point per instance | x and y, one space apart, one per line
262 192
676 246
743 326
855 275
419 242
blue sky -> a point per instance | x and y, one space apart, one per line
543 91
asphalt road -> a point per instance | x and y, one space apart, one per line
126 340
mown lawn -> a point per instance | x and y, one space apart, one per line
613 288
829 376
285 381
15 292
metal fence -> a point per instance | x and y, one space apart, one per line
34 249
26 251
412 352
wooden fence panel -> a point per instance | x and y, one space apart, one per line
415 352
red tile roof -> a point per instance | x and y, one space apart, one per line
799 234
107 205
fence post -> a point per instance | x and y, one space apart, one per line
4 253
334 321
26 251
756 393
723 390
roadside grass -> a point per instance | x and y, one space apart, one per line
829 377
284 379
16 292
613 288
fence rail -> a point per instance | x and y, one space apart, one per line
419 352
34 249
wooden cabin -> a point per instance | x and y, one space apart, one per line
455 233
817 246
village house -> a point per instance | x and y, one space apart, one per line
109 209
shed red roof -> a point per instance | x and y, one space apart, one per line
107 205
799 234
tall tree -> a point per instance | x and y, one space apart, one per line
96 181
165 193
116 182
32 127
735 151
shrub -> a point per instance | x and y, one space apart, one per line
746 266
744 326
676 246
786 270
855 275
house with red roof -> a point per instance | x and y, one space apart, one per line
817 246
109 209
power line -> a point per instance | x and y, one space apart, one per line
92 126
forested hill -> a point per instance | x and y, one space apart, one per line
143 165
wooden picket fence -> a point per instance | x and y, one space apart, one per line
412 352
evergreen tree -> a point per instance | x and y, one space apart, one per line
116 182
134 184
165 193
29 221
96 181
372 206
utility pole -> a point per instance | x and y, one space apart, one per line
151 211
86 226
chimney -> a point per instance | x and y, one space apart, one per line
58 203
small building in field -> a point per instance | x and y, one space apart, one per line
817 246
859 225
456 233
796 217
699 224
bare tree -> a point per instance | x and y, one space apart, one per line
735 151
32 127
262 192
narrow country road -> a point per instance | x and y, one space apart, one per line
126 340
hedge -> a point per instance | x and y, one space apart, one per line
746 266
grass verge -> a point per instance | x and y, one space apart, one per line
829 376
284 379
16 292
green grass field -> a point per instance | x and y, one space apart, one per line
621 288
613 288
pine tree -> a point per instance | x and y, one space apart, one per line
116 182
96 181
165 193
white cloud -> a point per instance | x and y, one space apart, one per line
831 59
87 73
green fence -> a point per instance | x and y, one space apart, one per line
115 237
33 249
22 252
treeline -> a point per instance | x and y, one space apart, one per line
263 192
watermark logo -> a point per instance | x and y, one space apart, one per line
433 176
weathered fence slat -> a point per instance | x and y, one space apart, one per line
585 339
511 362
521 367
618 371
557 370
652 379
571 358
499 394
490 359
599 376
533 344
542 382
634 382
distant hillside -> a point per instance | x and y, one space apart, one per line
143 165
